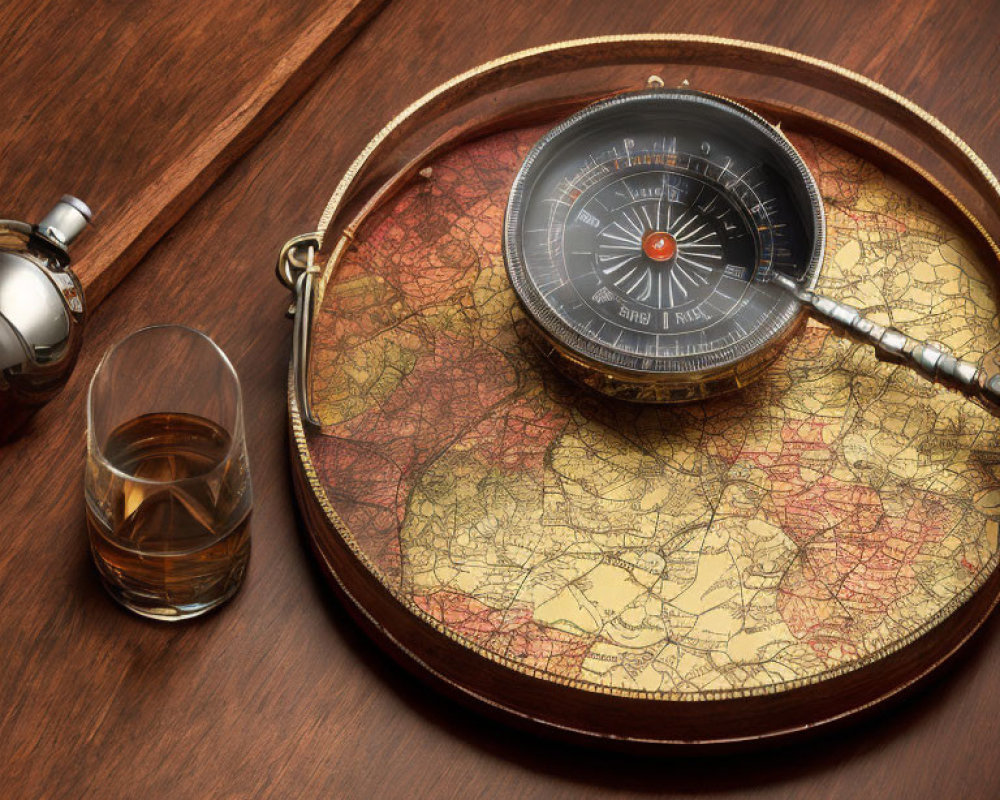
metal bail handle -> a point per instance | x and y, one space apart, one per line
895 347
297 270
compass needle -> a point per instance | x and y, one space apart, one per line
693 263
675 279
619 238
616 267
649 221
673 229
625 277
694 233
681 229
636 228
642 278
659 202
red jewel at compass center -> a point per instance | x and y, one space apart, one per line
659 246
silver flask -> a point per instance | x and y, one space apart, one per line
41 311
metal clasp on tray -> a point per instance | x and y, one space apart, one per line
297 270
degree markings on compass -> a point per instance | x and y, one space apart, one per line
566 185
555 286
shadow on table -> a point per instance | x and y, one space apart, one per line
701 772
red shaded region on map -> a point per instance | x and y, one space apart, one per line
856 558
509 632
420 254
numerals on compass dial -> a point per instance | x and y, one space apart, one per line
655 241
641 233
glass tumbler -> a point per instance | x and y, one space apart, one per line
167 480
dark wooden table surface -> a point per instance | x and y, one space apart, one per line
278 694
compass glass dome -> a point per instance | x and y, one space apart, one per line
641 233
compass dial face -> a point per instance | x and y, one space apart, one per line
642 232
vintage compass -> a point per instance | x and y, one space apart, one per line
641 235
664 245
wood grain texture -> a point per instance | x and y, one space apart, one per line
279 694
164 100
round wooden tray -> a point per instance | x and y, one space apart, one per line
741 568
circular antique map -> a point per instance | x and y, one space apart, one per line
799 530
